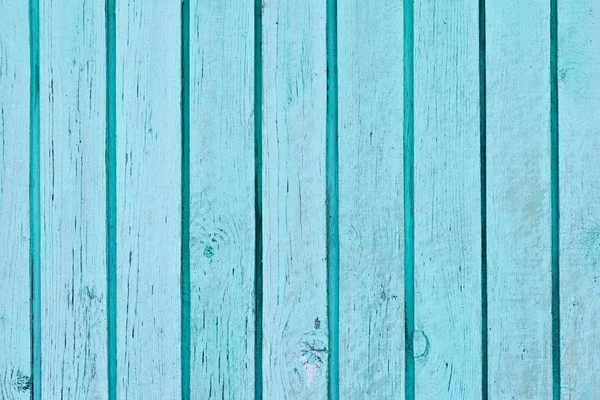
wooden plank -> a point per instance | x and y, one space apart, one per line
148 123
579 143
222 199
519 228
72 193
15 365
447 198
371 199
295 343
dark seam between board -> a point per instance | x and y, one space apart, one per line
258 224
483 194
34 203
185 202
408 157
554 128
111 199
332 201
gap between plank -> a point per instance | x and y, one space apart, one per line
111 199
332 200
185 201
555 200
258 224
483 193
34 201
409 251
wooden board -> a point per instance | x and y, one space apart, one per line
579 146
15 366
299 199
148 167
222 199
72 194
519 228
371 199
447 200
295 342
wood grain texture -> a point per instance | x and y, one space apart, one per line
222 199
371 199
294 184
72 193
518 199
148 199
447 199
15 367
295 343
579 146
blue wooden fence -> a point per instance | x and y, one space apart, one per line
299 199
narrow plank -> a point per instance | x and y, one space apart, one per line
518 199
15 365
148 123
447 198
295 343
371 199
579 143
72 193
222 199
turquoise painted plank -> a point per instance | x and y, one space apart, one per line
15 366
148 168
371 201
72 193
222 183
447 199
295 339
579 145
518 199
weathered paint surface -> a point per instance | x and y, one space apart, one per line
518 198
148 165
371 199
295 345
579 146
224 110
447 200
72 192
15 368
222 199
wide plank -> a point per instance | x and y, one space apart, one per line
222 199
15 365
148 174
519 223
72 199
371 200
295 339
447 199
579 182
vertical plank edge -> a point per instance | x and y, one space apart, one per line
15 240
185 200
408 150
111 198
332 200
34 200
554 177
258 187
483 184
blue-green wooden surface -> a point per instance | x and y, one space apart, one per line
519 203
15 300
299 199
72 200
221 180
371 202
447 201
